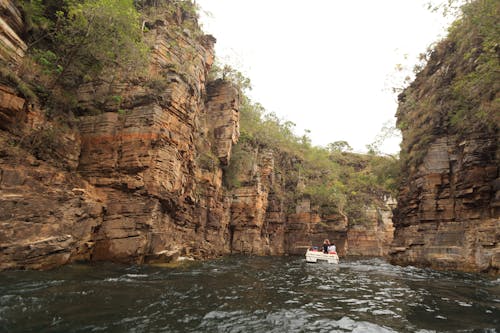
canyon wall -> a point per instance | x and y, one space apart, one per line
448 212
139 175
375 237
306 226
12 47
270 203
138 185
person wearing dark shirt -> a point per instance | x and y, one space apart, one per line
326 244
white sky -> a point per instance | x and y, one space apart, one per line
326 65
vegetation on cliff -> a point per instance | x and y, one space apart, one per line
81 54
336 180
457 91
448 206
73 43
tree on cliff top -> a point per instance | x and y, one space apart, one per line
76 41
96 35
339 146
475 88
335 180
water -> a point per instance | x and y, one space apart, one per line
249 294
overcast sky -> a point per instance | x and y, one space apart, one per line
326 65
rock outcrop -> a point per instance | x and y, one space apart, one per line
141 184
159 162
448 213
306 227
140 174
48 214
222 117
12 47
272 214
375 237
248 226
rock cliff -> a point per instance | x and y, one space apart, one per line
448 212
138 173
12 47
141 184
272 214
375 237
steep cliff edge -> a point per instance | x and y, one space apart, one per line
289 195
448 212
138 177
145 167
12 47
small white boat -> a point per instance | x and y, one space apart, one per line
313 255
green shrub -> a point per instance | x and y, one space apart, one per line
21 86
207 161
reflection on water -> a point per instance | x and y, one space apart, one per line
249 294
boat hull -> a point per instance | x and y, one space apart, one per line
315 256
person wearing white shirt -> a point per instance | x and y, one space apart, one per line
332 248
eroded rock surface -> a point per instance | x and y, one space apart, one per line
47 216
375 237
12 47
140 177
448 213
142 184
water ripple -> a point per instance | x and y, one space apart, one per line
249 294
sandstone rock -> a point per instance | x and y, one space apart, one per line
458 209
146 184
448 201
12 47
11 107
223 117
374 238
12 16
159 195
43 222
249 232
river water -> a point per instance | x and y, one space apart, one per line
249 294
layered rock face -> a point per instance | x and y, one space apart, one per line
448 213
375 237
222 118
266 219
158 163
47 214
306 227
12 47
140 185
261 220
249 204
139 177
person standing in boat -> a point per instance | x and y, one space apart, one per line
326 244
